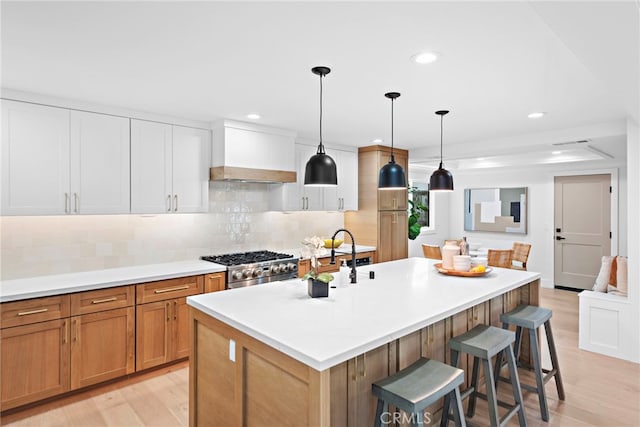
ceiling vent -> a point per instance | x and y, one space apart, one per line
581 141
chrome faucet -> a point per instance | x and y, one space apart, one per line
352 275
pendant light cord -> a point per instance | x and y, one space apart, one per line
441 130
393 160
321 147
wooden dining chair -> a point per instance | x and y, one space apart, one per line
520 255
500 258
431 251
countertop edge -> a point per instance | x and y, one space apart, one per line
85 284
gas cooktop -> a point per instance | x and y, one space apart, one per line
246 257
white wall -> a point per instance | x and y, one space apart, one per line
633 196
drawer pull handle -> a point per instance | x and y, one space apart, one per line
179 288
100 301
26 313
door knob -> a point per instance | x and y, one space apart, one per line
559 238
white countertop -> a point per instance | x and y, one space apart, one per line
405 296
42 286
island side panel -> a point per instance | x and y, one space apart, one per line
261 387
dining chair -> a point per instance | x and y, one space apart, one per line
431 251
520 255
500 258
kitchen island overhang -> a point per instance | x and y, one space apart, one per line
276 330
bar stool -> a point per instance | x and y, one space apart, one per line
531 318
483 342
416 387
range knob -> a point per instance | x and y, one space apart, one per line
257 272
237 275
292 266
275 269
283 268
246 273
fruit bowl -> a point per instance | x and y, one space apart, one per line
336 243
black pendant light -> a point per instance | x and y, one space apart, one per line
321 169
391 176
441 179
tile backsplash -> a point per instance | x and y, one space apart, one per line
237 221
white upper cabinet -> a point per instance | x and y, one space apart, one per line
99 164
57 161
191 154
344 197
169 168
297 197
35 159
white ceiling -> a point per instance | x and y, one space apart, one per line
578 61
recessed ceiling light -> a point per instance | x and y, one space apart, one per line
425 57
253 116
536 115
376 141
556 152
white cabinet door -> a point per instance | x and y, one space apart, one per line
191 153
35 159
311 197
345 195
151 161
99 164
348 180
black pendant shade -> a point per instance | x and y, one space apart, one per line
441 179
321 169
392 176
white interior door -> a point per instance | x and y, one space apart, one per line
582 228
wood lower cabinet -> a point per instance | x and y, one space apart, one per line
214 282
102 346
35 362
162 332
162 319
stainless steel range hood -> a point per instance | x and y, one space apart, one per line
247 152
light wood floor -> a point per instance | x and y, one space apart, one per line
600 390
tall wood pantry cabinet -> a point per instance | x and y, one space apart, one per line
381 219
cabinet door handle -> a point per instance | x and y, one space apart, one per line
307 199
355 370
175 199
76 336
166 311
64 332
175 310
75 202
100 301
179 288
395 218
26 313
66 203
364 365
169 203
395 203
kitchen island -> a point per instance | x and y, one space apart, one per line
270 355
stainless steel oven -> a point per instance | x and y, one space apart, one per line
257 267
